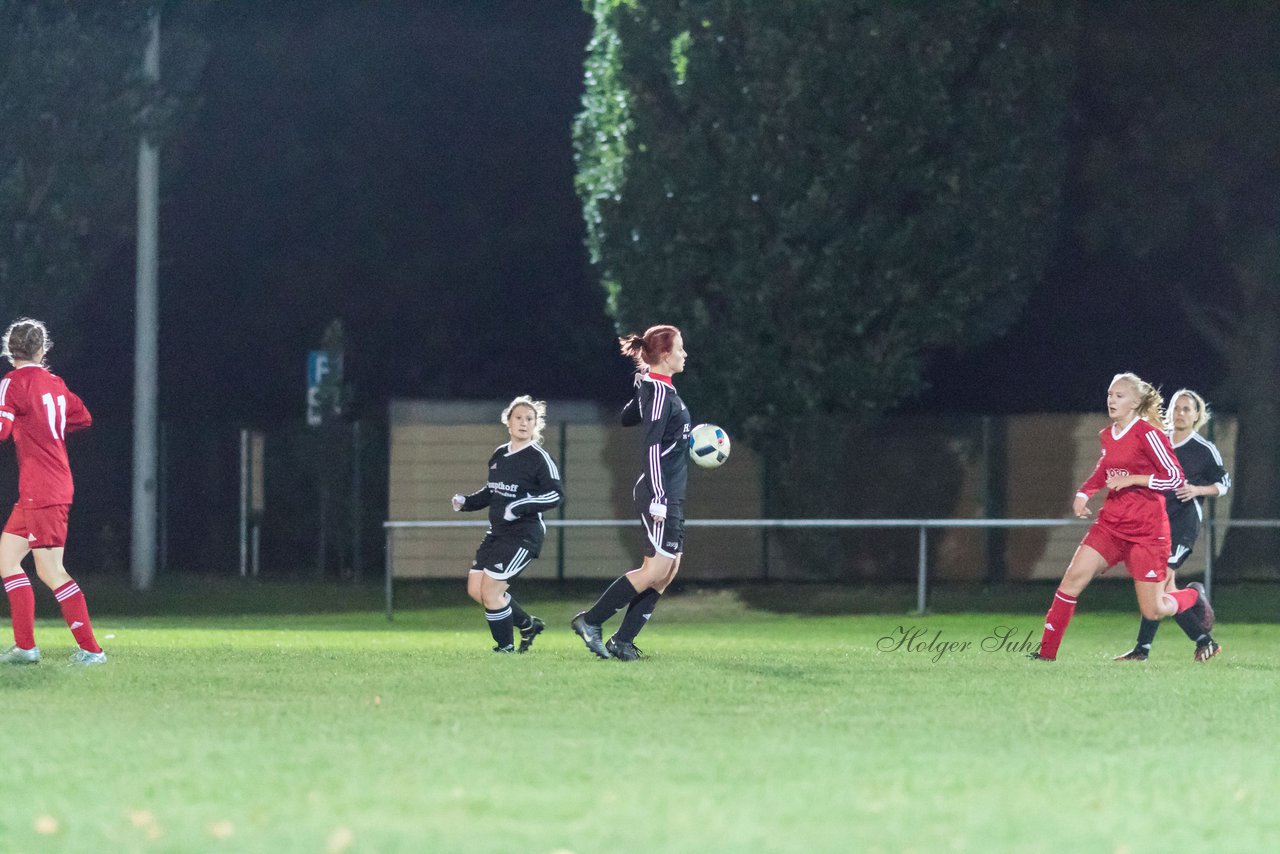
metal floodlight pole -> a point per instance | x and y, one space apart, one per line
146 338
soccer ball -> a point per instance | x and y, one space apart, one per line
708 445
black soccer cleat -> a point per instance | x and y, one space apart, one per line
1207 650
1135 654
623 650
590 634
1204 611
505 649
527 635
1036 656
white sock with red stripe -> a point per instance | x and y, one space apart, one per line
22 608
76 612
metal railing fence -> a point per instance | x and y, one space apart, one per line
922 525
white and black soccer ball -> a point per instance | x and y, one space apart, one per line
708 445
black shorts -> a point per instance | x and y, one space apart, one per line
1178 554
503 558
662 536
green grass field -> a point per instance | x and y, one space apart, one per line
748 729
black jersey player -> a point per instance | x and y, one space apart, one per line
1202 464
658 494
524 481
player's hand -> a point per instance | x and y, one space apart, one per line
508 514
1186 492
1081 507
458 501
657 511
1124 481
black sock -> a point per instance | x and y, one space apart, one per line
519 616
1190 625
637 615
613 600
1147 633
500 626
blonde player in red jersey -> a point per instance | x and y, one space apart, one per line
38 410
1137 466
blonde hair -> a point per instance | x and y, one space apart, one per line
23 339
539 408
1150 402
1202 409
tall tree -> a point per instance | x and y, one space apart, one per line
72 100
820 192
1187 151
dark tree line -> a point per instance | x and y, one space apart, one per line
73 101
826 194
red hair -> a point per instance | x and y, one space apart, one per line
651 347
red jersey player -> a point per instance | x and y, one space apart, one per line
1137 465
38 410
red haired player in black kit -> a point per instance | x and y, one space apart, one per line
38 410
659 493
1137 466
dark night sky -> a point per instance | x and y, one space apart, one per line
408 168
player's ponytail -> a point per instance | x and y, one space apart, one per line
1152 408
650 348
24 339
632 347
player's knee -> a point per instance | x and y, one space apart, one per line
53 577
649 574
493 594
1073 584
1152 612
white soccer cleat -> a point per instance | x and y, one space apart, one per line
84 658
17 655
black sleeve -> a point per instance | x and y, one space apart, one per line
482 497
1215 473
478 500
631 411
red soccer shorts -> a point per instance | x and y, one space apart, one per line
1145 561
41 527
